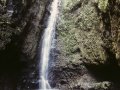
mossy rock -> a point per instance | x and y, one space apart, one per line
102 5
78 31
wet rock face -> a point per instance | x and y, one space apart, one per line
6 29
84 40
19 37
24 23
32 28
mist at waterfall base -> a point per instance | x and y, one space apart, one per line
46 45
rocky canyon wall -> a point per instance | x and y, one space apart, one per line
87 54
19 40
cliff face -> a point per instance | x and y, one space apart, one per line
19 39
87 27
87 55
87 45
25 23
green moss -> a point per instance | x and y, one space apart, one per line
66 33
78 30
102 5
102 85
68 4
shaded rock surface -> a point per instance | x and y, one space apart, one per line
19 39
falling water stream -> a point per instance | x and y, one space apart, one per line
10 7
46 45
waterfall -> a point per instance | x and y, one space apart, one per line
10 7
46 45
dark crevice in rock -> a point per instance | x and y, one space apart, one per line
63 82
111 59
77 50
10 66
106 72
106 22
76 6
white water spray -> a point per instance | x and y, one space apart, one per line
46 45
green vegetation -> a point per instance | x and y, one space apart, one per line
79 30
102 5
